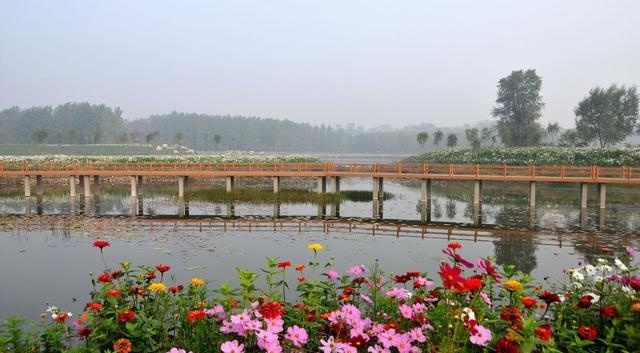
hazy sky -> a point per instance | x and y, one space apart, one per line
330 61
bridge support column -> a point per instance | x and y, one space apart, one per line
477 193
276 184
334 209
584 191
87 185
532 194
96 184
425 191
378 191
140 185
134 186
602 195
39 185
27 186
231 183
72 186
276 209
322 185
378 208
183 184
335 184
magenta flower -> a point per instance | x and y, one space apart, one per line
328 345
631 251
457 258
297 335
406 311
332 275
357 271
232 347
480 335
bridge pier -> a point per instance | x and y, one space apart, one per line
602 195
96 184
134 186
72 186
378 192
27 186
335 184
183 184
477 193
140 191
322 185
532 194
230 182
378 208
39 186
87 185
584 192
276 184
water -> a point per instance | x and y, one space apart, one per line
46 259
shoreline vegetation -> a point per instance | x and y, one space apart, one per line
470 305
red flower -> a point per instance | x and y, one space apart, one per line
610 311
513 315
117 274
488 268
104 277
401 278
549 297
84 332
113 293
151 275
450 276
606 250
126 316
472 284
101 244
589 333
505 345
300 268
162 268
633 282
300 278
454 245
528 302
544 332
62 316
94 306
585 301
271 310
358 342
195 315
284 264
176 289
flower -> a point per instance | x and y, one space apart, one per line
472 284
589 333
585 301
126 316
549 297
232 347
528 302
197 282
544 332
93 306
284 264
610 311
113 293
315 247
195 315
101 244
488 268
450 276
157 287
104 277
271 310
297 335
122 345
300 268
505 345
176 289
162 268
480 335
454 245
512 285
177 350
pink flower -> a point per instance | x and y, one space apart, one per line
480 335
297 335
402 343
332 275
406 311
399 293
266 338
415 334
328 345
631 251
232 347
356 271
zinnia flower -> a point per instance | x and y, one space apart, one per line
528 302
195 315
512 285
197 282
271 310
585 301
315 247
162 268
589 333
157 287
126 316
549 297
113 293
122 345
284 264
94 306
101 244
104 277
544 332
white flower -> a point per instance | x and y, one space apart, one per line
468 314
602 261
577 275
594 296
590 270
629 291
620 265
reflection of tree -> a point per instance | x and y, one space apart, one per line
437 209
450 208
518 250
512 216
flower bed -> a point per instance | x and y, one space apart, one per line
473 306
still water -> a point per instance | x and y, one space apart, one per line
46 251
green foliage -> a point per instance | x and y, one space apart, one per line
452 140
604 157
422 138
518 107
607 116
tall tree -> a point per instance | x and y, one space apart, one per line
607 115
552 131
437 137
473 136
422 138
518 107
452 140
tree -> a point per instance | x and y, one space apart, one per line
607 116
150 137
473 136
488 135
422 138
437 137
519 106
179 136
552 130
216 140
452 140
40 135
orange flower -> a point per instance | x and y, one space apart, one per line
122 345
197 282
528 302
300 268
454 245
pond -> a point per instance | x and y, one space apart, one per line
47 255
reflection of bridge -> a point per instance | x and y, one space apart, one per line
332 172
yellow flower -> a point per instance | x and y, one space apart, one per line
197 282
122 345
512 285
315 247
157 287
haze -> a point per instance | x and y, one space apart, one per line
334 62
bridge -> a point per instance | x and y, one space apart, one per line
82 174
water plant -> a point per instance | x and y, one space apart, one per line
466 305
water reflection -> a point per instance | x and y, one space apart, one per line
518 251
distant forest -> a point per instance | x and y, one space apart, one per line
84 123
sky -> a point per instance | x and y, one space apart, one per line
334 62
